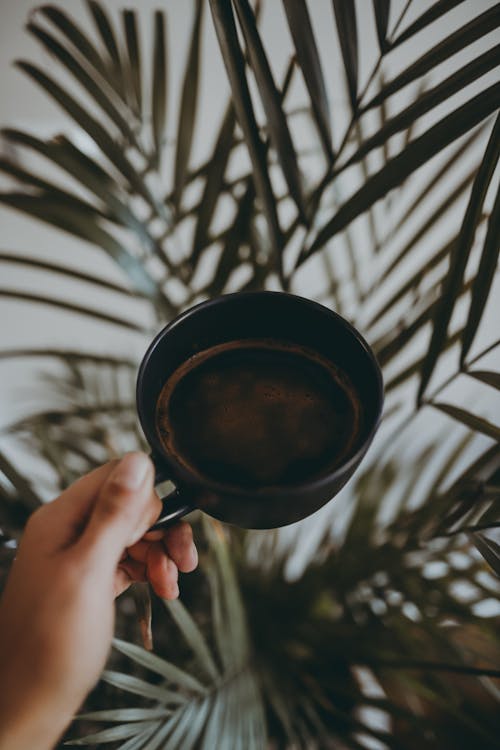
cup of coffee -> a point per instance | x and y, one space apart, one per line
259 406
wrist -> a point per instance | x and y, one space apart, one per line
37 728
30 716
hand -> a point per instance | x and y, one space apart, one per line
57 613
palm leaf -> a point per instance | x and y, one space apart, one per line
71 307
308 59
213 183
414 368
231 631
53 193
133 80
137 686
167 670
412 283
411 158
233 58
437 177
441 207
93 178
382 9
271 99
193 637
179 736
475 29
27 494
140 742
345 17
73 273
439 8
485 376
159 85
65 217
69 356
106 33
125 714
431 98
296 656
88 83
470 420
391 344
187 113
104 141
490 550
79 40
483 280
116 733
460 255
238 235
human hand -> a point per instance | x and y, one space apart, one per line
57 613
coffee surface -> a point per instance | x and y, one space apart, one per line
257 413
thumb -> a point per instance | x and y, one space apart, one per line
125 508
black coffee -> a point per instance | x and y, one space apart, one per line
258 412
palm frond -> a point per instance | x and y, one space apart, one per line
392 608
187 114
460 254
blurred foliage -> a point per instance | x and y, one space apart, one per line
383 636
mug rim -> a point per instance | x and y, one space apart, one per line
270 491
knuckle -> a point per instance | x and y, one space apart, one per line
182 534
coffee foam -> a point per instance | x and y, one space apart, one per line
260 422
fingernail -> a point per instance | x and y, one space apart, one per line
132 470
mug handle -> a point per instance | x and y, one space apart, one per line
175 504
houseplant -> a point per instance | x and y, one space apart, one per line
377 617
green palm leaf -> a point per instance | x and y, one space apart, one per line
187 114
475 29
428 100
276 120
345 17
133 60
125 714
233 58
65 217
193 637
73 273
169 671
101 137
106 32
137 686
116 733
381 9
159 90
264 651
414 155
485 376
470 420
308 59
74 34
460 255
490 550
214 183
88 83
483 280
439 8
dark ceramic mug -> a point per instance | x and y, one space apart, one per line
254 315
